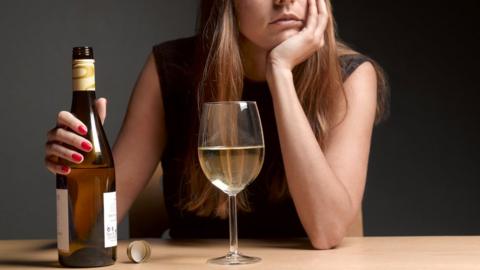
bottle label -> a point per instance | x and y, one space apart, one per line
83 75
110 218
62 220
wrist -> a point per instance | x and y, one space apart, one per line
280 81
275 70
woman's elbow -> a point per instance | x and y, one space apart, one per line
329 241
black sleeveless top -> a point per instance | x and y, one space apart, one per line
175 66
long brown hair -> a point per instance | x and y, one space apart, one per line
318 82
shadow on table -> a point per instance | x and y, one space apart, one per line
47 246
300 243
295 243
26 263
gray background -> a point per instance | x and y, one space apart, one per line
424 177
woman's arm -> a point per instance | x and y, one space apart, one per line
141 140
326 186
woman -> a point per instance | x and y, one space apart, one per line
318 101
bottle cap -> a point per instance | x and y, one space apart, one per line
82 53
138 251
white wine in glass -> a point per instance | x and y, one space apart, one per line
231 169
231 153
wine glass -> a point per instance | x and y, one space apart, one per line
231 152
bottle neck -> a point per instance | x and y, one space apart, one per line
83 74
83 105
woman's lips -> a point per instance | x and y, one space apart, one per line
287 23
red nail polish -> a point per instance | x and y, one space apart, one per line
64 169
77 157
86 146
82 130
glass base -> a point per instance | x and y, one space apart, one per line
234 259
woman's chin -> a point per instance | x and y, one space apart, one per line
271 40
282 36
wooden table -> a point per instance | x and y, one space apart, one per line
445 252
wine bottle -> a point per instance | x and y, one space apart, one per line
86 197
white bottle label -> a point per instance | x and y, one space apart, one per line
110 218
63 241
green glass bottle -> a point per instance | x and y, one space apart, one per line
86 197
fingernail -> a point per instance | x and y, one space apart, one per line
65 169
86 146
82 130
77 157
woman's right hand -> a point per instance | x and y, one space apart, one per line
68 133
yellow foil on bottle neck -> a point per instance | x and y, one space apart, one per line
83 75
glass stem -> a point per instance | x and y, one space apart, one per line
232 204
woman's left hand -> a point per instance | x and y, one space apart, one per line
299 47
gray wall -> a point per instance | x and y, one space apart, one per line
36 39
424 177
